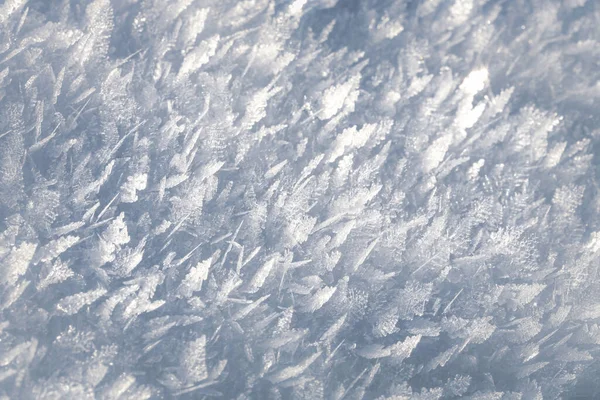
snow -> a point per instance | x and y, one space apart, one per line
299 199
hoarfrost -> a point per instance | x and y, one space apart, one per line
299 199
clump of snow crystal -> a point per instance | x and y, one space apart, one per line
307 199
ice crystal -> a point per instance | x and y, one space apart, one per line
303 199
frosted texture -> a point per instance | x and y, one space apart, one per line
299 199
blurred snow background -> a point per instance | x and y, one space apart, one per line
307 199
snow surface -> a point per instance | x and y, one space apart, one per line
299 199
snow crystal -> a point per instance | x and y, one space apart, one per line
299 199
336 97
